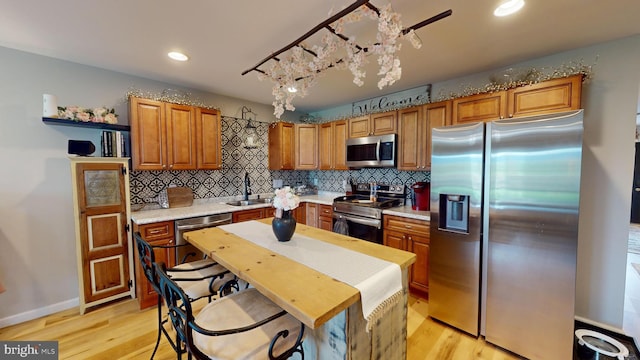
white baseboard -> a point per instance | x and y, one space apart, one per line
600 325
40 312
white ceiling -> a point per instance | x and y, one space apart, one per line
224 38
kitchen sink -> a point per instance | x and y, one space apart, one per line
250 202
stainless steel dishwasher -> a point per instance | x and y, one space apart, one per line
196 223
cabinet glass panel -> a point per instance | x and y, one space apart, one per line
102 187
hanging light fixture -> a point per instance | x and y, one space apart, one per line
298 65
250 132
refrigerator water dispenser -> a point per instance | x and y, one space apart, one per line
454 213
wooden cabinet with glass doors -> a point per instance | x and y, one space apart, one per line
103 240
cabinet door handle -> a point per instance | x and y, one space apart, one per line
407 226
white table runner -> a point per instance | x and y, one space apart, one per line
379 281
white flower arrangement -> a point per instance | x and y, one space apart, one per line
285 200
97 115
296 70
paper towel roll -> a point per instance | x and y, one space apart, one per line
50 106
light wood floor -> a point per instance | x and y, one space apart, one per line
121 331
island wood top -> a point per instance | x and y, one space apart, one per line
307 294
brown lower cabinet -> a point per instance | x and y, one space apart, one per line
300 213
312 214
411 235
160 233
320 216
325 217
252 214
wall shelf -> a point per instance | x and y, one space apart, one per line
93 125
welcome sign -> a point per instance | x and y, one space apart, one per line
401 99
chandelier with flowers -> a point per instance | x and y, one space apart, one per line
300 65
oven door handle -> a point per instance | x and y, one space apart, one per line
368 222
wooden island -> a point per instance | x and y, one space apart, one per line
331 309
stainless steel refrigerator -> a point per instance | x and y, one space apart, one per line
504 231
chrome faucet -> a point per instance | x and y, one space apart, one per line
247 186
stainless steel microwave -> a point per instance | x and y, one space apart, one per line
372 151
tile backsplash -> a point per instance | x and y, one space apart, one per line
236 160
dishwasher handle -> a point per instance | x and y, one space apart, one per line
203 226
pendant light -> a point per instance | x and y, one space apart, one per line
250 132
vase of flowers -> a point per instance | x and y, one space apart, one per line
284 223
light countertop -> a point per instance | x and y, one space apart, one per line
406 211
203 207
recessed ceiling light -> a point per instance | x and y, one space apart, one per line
175 55
292 89
508 7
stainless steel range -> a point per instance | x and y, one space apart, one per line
362 210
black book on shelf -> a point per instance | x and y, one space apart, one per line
103 144
124 148
110 143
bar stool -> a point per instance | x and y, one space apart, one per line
198 279
243 325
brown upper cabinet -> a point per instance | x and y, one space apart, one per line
546 97
333 145
480 107
209 139
373 124
167 136
411 138
306 145
414 133
281 146
556 95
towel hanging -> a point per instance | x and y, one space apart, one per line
341 226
